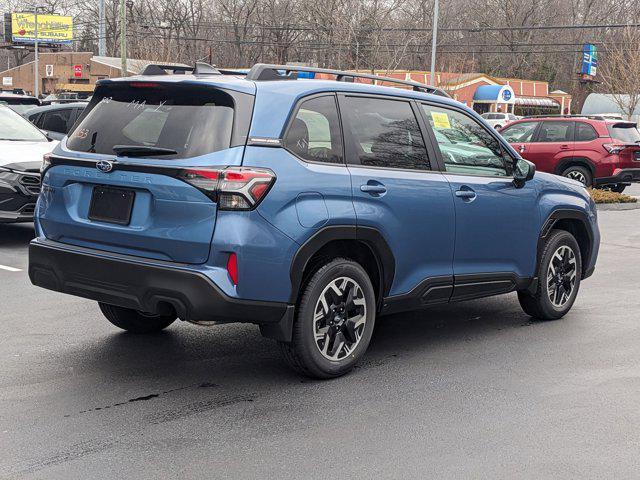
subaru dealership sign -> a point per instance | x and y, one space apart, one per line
589 60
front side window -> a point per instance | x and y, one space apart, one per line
554 131
314 133
520 132
385 133
466 146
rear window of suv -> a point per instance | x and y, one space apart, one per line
625 132
192 120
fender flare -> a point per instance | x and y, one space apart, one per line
568 161
369 236
549 223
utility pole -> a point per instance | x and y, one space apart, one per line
36 76
123 38
102 41
433 42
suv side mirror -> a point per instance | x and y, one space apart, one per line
523 171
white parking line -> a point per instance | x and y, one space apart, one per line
10 269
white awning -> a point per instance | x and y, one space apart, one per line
537 102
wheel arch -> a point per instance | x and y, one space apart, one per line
567 162
364 245
577 224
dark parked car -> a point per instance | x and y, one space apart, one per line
18 102
21 149
55 119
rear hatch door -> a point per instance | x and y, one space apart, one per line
134 201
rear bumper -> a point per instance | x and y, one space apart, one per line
621 175
132 283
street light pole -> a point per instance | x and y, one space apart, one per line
123 38
36 77
433 42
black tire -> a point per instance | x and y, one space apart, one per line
617 188
498 127
303 352
133 321
583 173
539 304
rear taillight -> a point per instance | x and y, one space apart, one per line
233 188
614 148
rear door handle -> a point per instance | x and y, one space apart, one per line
564 147
373 189
466 194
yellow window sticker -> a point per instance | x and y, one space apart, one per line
440 120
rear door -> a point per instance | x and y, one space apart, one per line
495 222
396 191
554 141
141 203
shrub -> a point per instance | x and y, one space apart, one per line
607 196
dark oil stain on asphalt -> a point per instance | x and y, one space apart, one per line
144 398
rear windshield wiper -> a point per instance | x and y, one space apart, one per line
141 150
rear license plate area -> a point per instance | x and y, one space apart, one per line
111 205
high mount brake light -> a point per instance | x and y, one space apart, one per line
233 188
143 84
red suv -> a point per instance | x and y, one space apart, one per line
594 150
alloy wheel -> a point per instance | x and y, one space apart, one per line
561 276
577 175
340 317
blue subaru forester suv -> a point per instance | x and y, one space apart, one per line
308 207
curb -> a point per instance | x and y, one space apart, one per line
618 206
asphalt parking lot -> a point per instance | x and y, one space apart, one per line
476 390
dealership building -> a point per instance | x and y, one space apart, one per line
68 72
485 93
79 71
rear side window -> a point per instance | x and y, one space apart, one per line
555 132
314 133
625 132
385 133
585 132
520 132
191 120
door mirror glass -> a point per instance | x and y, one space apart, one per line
523 172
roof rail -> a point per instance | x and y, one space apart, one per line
262 71
199 68
575 115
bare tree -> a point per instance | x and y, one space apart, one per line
620 71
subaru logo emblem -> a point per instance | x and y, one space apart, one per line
104 166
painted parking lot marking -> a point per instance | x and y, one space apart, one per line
10 269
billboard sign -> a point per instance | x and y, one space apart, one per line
54 29
589 60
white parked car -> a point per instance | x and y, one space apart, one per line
499 120
22 146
